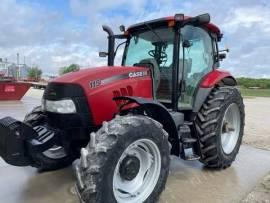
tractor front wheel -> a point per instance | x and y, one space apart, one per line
220 126
127 160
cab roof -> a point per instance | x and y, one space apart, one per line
169 21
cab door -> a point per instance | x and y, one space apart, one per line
197 59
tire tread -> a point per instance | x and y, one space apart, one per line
207 121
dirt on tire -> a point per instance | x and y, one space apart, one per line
94 183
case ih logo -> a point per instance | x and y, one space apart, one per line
137 74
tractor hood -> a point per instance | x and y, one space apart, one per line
92 79
102 72
98 87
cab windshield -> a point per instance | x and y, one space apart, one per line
156 44
154 47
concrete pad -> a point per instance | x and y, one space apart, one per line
19 185
188 181
18 109
191 182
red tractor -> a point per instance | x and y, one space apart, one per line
168 97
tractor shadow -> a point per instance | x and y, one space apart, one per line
196 173
189 181
185 177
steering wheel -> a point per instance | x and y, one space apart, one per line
160 58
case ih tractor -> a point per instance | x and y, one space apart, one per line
167 98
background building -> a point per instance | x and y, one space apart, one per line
13 70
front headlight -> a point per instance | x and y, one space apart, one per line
60 106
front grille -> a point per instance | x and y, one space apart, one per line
81 119
56 91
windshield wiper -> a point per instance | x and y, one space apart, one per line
153 31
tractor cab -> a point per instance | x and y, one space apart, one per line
179 50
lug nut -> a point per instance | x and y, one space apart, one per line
84 154
92 140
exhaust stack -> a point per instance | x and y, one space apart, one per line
111 43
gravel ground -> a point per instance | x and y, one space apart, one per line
261 193
257 128
257 134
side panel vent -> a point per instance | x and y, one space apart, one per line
124 91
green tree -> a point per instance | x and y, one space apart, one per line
262 83
34 73
68 69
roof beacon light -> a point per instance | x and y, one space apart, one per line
179 17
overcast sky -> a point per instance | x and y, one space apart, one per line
55 33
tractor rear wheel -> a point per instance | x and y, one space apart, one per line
220 126
54 158
127 160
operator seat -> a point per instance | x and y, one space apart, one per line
154 69
165 87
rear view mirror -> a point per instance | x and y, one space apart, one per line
122 28
202 19
221 56
225 50
187 44
103 54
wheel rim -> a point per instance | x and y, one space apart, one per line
56 152
143 183
230 128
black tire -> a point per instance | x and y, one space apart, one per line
94 183
208 125
43 163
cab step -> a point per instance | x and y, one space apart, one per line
189 123
188 140
189 155
192 157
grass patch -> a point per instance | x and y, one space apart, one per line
255 92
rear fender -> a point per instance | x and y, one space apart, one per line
216 77
159 113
